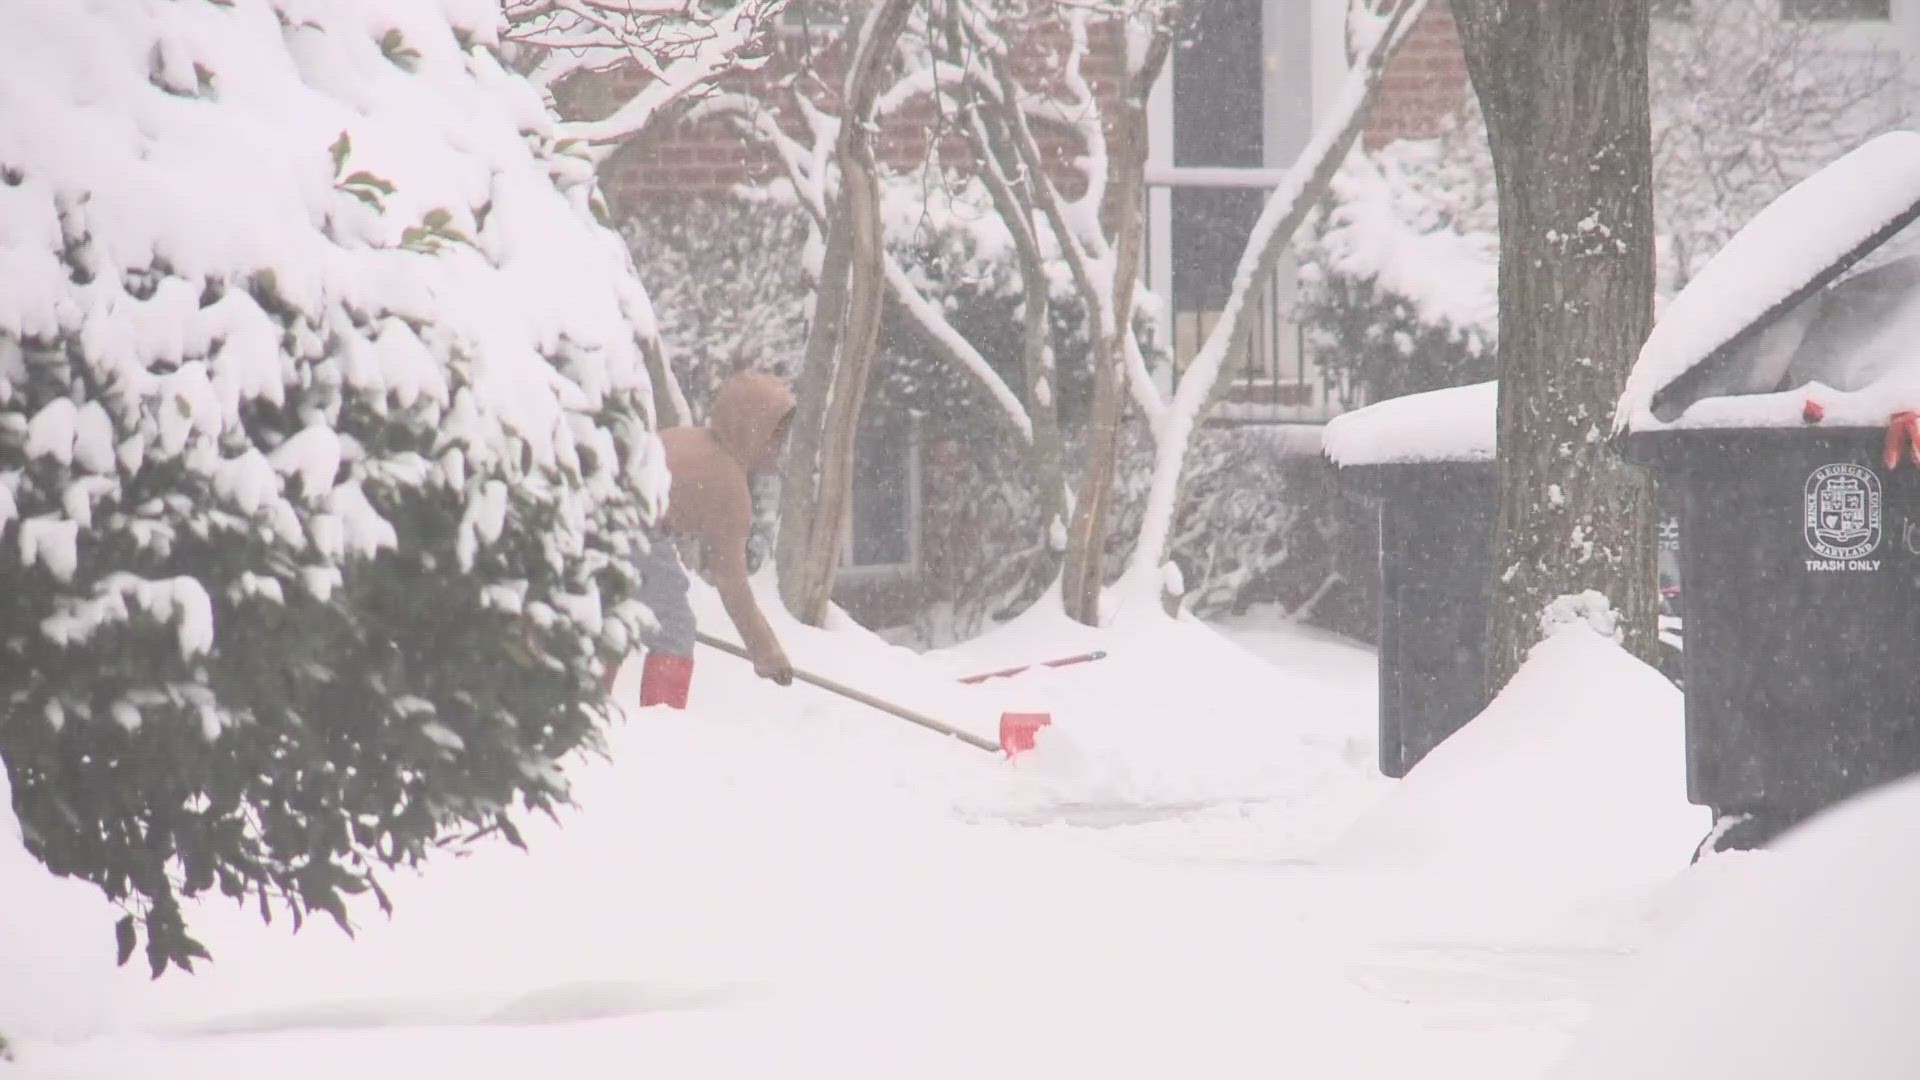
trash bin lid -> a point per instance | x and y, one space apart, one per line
1755 317
1457 424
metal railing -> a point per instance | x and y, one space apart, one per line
1271 376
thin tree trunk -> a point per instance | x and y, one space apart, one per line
670 408
817 487
1084 574
999 164
1564 90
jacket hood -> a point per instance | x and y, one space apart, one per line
749 414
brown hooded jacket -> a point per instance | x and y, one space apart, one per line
709 500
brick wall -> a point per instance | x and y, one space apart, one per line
679 159
1425 85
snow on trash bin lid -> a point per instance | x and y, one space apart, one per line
1753 335
1455 424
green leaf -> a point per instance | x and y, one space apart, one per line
123 938
437 219
327 900
391 41
342 146
363 178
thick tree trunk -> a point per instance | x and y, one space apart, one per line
818 479
1564 89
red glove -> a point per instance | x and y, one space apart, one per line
1903 433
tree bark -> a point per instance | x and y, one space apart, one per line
1564 90
817 482
1001 170
1084 574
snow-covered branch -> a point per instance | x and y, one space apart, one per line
807 171
1076 224
1288 206
955 348
680 46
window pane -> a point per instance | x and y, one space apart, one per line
1217 109
882 494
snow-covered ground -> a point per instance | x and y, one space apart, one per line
777 883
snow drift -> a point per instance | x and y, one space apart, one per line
1574 777
1804 961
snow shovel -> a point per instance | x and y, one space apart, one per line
1017 730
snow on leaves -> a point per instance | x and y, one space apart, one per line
311 347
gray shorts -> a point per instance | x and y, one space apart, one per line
663 588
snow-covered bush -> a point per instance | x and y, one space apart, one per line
1399 278
325 452
727 280
1402 276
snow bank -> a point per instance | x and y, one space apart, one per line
1459 423
1175 716
57 976
1573 778
1804 963
1811 231
768 835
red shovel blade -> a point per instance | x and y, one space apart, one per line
1017 731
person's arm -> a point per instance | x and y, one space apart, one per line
728 552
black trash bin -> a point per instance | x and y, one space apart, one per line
1802 660
1800 546
1426 462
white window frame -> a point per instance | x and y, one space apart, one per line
1324 23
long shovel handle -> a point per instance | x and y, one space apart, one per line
863 698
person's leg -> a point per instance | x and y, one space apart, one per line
668 671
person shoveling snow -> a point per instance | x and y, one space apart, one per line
710 503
